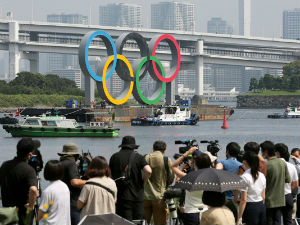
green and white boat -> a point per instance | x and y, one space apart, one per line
58 126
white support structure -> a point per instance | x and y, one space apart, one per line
34 63
14 53
89 87
199 68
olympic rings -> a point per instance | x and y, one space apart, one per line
135 72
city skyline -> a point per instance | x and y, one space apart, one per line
204 11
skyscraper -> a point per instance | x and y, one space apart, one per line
244 17
218 26
173 16
122 15
62 61
291 24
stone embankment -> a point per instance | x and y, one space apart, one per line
267 102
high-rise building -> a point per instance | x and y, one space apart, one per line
122 15
71 74
173 16
218 26
291 24
244 17
63 61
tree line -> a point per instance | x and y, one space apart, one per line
290 81
35 83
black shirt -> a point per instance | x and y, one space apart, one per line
135 190
71 172
16 177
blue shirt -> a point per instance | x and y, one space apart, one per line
232 165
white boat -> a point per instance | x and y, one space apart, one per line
290 112
168 115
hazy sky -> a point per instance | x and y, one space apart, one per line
266 14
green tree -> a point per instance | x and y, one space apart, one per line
261 84
294 82
268 81
292 68
253 84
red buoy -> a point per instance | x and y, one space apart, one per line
225 126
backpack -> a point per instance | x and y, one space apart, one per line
125 179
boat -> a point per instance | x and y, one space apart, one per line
289 113
59 126
168 115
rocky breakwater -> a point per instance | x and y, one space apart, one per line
267 102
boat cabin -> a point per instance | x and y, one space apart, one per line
48 121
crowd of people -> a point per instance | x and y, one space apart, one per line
134 186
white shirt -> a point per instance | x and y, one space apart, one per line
55 202
193 201
294 177
254 189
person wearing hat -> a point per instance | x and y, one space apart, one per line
68 158
126 169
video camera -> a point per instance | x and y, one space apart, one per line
84 162
188 144
213 146
36 161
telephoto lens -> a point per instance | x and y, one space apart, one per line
172 209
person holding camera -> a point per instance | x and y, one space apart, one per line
193 205
18 182
232 165
68 158
126 169
154 189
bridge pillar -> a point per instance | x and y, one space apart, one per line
89 89
34 63
14 53
170 93
198 97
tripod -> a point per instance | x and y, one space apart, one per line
37 203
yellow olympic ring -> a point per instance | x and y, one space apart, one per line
110 98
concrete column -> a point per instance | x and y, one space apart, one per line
199 68
14 61
170 93
14 53
89 85
34 63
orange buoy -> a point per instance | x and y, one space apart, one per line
225 126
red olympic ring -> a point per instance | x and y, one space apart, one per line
160 77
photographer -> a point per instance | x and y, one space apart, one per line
193 200
19 183
154 189
69 156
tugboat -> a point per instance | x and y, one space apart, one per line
59 126
290 112
168 115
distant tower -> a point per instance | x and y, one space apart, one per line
291 24
244 17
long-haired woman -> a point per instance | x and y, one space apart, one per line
251 208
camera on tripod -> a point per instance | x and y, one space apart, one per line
213 146
169 196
